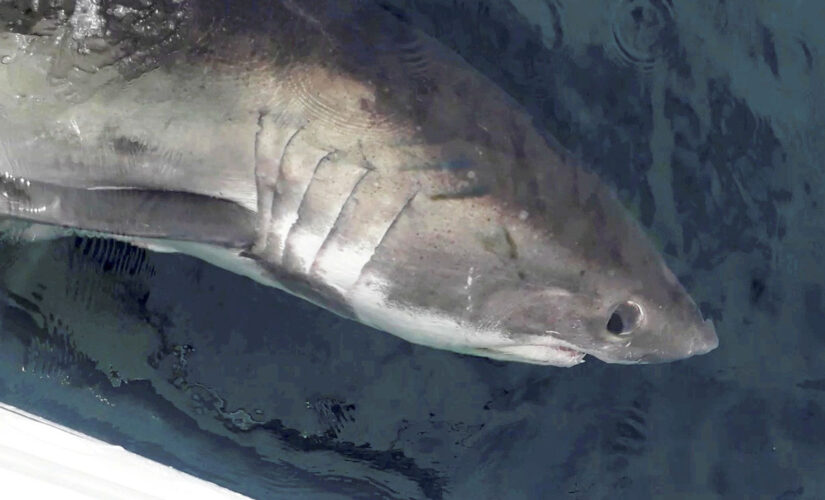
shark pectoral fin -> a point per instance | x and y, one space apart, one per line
130 212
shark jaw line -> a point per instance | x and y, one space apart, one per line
537 354
370 301
536 349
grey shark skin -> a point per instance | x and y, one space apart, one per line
329 149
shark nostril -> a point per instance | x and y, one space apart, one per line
626 317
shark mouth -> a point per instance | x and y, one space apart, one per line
539 354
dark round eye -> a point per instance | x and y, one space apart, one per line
625 318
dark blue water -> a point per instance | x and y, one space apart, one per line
706 116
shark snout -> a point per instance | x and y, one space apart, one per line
701 340
705 339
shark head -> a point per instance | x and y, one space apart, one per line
623 316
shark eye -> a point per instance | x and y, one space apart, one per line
625 318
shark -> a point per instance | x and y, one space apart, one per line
331 150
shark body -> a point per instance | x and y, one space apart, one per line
331 150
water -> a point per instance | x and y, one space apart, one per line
708 120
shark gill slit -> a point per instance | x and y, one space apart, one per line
297 168
267 169
297 229
395 219
315 266
357 260
361 225
332 185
